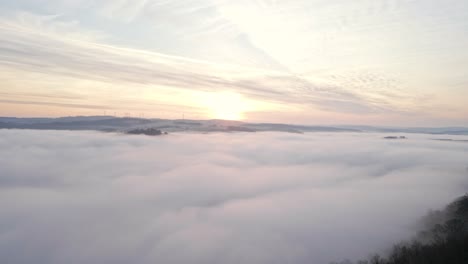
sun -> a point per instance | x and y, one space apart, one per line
226 105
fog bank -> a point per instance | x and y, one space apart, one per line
253 198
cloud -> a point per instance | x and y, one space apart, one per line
376 61
87 197
41 48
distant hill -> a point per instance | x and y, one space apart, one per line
124 124
118 124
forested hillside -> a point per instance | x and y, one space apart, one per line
443 240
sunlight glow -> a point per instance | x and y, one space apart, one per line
226 105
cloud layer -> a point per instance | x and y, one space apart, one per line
86 197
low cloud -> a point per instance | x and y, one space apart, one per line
88 197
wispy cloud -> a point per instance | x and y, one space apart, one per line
36 45
363 58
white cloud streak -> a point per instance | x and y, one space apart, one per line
86 197
39 45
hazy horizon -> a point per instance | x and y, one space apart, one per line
331 124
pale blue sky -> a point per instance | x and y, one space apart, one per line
390 62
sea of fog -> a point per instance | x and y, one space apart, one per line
252 198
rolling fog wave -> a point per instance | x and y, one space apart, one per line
253 198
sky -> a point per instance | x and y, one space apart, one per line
210 199
373 62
